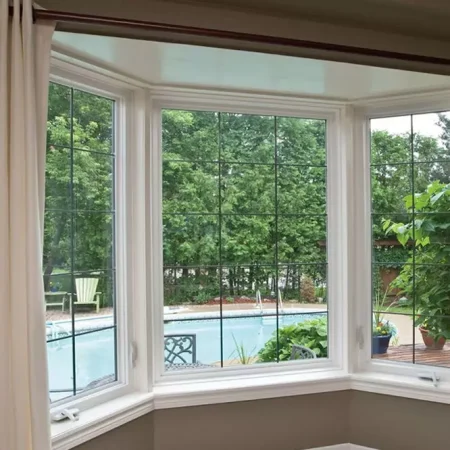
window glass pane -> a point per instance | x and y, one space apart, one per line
190 187
244 239
190 135
411 241
301 141
79 250
247 138
301 190
248 188
92 122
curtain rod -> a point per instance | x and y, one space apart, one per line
68 17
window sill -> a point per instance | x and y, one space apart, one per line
100 419
103 418
401 386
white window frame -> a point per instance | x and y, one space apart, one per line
126 260
392 377
334 114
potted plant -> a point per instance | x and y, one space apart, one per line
424 277
382 330
55 287
431 334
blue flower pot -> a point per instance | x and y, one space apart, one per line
380 344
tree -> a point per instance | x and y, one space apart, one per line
79 178
424 277
226 163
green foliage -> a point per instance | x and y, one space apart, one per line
311 333
78 196
195 183
244 185
425 276
381 326
245 357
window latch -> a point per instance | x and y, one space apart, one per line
73 414
430 376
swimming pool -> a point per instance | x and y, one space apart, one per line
95 352
250 332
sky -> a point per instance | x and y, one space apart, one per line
425 124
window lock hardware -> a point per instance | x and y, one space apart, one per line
72 414
430 376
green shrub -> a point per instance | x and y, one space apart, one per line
310 333
321 292
307 289
202 297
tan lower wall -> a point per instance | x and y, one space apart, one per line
135 435
394 423
292 423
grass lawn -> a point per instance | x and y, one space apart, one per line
407 310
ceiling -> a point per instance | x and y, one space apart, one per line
414 17
194 66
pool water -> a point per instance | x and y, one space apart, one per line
94 359
95 354
250 332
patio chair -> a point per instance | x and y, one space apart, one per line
86 293
180 349
55 299
301 352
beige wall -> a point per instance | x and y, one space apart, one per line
135 435
393 423
291 423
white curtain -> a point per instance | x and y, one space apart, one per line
24 73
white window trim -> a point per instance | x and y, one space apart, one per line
144 389
336 247
126 261
370 374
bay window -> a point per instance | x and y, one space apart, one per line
205 246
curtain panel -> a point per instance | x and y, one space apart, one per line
24 76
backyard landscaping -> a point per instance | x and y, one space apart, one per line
244 215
